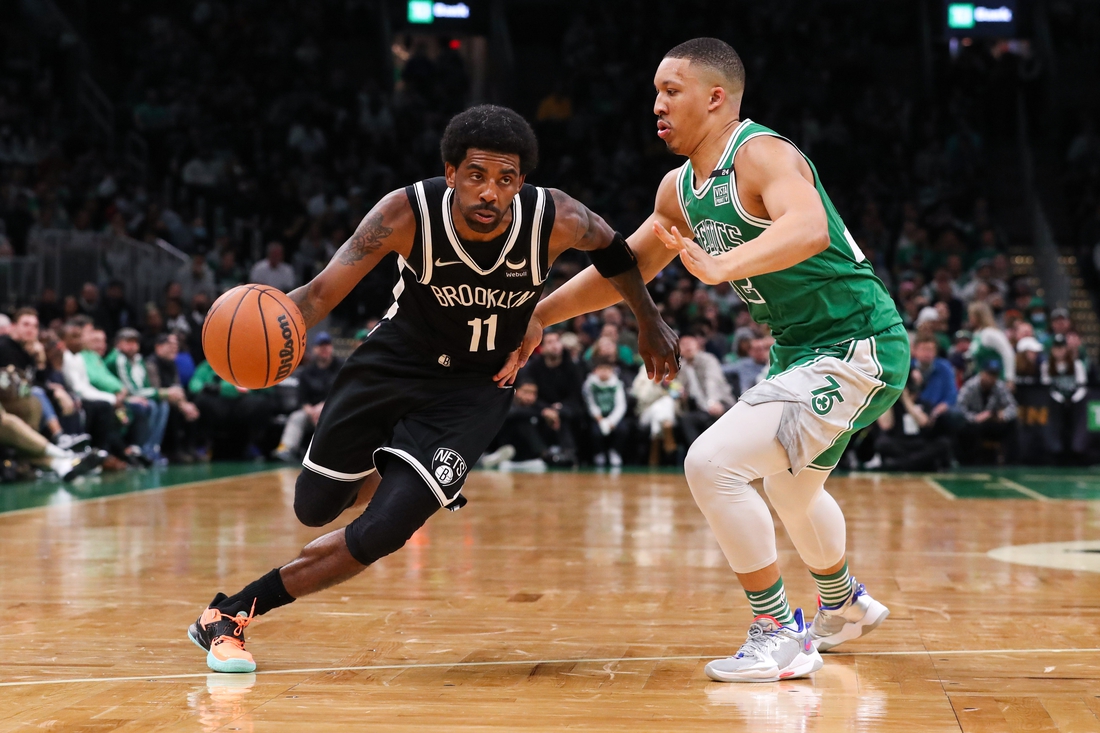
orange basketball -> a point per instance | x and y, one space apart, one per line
254 336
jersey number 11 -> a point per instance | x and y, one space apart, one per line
490 333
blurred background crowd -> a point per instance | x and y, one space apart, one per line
255 136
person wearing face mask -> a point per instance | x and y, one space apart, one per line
1029 360
196 277
990 413
707 394
1064 374
989 343
1037 317
200 305
559 381
163 374
126 364
907 441
1034 429
115 312
273 270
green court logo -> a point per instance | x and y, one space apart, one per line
822 398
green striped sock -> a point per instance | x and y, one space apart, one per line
834 588
771 602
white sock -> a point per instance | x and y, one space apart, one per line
54 452
61 466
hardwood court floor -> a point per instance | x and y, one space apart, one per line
552 602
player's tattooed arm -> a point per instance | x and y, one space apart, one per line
588 291
576 227
368 238
388 227
657 344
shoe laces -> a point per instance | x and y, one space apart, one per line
761 637
237 637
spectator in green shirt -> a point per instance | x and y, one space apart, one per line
126 365
139 410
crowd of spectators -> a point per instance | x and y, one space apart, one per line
1005 387
264 154
1076 151
81 386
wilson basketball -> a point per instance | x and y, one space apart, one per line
254 336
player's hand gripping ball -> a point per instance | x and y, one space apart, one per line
254 336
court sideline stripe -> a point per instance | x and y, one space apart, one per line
1016 486
939 488
528 662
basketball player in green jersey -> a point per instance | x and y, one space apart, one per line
760 219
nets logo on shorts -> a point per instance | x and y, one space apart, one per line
823 398
448 466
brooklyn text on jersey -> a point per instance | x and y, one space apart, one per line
471 301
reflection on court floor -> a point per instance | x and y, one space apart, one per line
553 601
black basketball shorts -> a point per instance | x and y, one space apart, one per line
392 399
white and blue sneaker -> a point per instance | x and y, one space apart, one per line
856 617
772 652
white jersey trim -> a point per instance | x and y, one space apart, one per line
329 473
513 235
424 474
425 233
758 221
398 288
537 276
680 196
701 192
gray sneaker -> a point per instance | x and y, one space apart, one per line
67 441
856 617
497 457
770 653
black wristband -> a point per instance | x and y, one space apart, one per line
614 259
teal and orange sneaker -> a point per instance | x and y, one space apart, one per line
221 636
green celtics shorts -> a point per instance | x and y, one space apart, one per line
832 392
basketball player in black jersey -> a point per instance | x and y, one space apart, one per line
417 402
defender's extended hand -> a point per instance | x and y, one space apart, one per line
700 264
518 358
659 348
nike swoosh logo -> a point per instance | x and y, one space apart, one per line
516 266
441 263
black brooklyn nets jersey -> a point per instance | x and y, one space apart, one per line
468 303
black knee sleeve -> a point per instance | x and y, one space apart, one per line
400 506
319 499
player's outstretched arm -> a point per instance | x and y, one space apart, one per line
589 292
388 227
625 269
773 172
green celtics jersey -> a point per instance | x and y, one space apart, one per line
827 299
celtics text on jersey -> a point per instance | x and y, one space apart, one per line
831 297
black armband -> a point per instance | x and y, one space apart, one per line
614 259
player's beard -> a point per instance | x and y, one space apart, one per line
479 226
